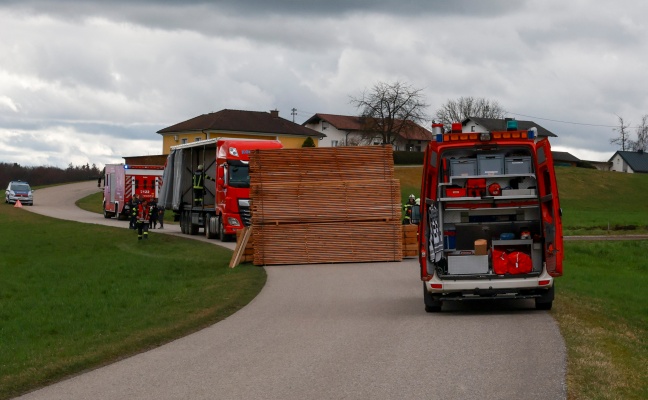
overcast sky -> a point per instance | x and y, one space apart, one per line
93 81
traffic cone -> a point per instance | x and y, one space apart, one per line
18 204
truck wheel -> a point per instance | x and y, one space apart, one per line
432 303
106 213
210 221
183 222
546 300
191 227
221 230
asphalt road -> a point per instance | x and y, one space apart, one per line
335 331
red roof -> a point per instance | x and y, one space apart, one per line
242 121
412 130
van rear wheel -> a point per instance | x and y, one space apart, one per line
546 300
432 303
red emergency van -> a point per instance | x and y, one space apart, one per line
490 217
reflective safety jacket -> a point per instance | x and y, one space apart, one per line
143 214
199 179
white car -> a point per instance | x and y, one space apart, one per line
19 190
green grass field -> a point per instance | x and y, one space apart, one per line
602 309
76 296
73 304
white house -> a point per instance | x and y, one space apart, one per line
347 130
629 161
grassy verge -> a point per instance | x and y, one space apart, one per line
602 310
76 296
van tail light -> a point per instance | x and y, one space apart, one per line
544 282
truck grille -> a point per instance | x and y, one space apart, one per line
246 215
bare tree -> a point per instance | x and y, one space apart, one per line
388 109
465 107
624 135
641 144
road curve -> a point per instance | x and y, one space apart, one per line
336 331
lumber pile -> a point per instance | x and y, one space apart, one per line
325 205
410 240
244 250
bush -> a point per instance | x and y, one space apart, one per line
308 142
408 157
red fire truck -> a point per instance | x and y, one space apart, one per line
124 182
490 217
225 207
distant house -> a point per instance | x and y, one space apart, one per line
601 165
238 124
630 162
348 130
475 124
564 158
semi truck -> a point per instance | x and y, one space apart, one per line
123 183
224 206
491 223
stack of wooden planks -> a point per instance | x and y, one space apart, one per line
325 205
410 240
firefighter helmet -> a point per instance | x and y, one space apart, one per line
412 197
200 167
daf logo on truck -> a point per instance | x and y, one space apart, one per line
490 217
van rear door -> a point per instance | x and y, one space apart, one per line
550 208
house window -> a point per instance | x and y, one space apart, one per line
184 141
197 139
472 128
334 143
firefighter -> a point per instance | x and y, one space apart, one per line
143 218
199 184
161 216
408 209
133 213
153 212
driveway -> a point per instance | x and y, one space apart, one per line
335 331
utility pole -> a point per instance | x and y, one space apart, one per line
294 112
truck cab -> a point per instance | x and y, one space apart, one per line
490 218
225 204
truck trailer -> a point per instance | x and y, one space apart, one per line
490 217
224 206
125 182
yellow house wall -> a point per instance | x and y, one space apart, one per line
295 142
289 142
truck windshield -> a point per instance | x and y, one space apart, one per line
239 176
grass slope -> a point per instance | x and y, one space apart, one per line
76 296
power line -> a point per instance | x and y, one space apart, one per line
568 122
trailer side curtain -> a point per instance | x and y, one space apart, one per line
166 191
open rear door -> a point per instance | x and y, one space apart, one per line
550 206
